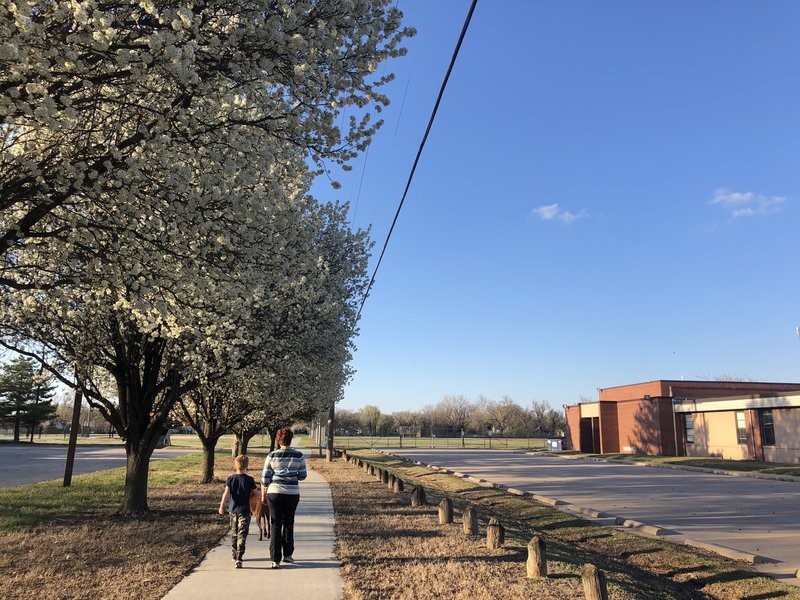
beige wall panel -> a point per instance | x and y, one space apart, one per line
787 437
715 435
700 445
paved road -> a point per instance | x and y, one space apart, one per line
753 515
30 464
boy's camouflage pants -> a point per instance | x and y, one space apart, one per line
240 525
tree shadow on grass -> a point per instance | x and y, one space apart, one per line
727 576
392 533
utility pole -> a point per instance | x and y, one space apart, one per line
73 432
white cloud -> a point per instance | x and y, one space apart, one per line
547 212
747 204
553 211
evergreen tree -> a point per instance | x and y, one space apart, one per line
26 398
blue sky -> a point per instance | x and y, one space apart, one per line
609 195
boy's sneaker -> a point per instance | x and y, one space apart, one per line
288 559
276 565
238 564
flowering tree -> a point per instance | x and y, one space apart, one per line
94 93
153 179
214 409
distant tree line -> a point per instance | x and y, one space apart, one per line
454 414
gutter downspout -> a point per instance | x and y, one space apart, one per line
674 428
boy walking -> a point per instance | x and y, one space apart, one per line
238 488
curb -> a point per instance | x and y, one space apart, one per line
754 559
640 527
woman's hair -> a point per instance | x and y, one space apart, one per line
241 462
284 436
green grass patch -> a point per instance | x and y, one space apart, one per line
31 504
493 443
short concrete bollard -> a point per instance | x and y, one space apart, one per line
495 534
398 485
445 511
384 476
537 558
418 496
594 583
390 483
470 517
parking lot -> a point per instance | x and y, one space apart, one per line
751 515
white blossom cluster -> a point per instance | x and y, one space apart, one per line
155 161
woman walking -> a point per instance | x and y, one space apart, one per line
283 469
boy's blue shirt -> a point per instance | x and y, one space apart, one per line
240 486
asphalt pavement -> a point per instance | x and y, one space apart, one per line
755 516
26 463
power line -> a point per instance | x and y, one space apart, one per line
419 151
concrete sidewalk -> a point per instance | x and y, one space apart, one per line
314 575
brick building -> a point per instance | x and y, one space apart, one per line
730 419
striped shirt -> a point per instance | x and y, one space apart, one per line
283 469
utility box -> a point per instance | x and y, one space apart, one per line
554 444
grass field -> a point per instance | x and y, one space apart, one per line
181 440
436 442
392 550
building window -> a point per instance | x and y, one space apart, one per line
741 429
767 427
688 428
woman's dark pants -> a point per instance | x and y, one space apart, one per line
281 516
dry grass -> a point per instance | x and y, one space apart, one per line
391 550
91 552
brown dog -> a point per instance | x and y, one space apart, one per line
260 512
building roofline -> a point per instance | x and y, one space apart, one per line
701 381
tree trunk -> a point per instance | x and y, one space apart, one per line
135 498
244 443
236 449
209 445
272 434
16 426
329 452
